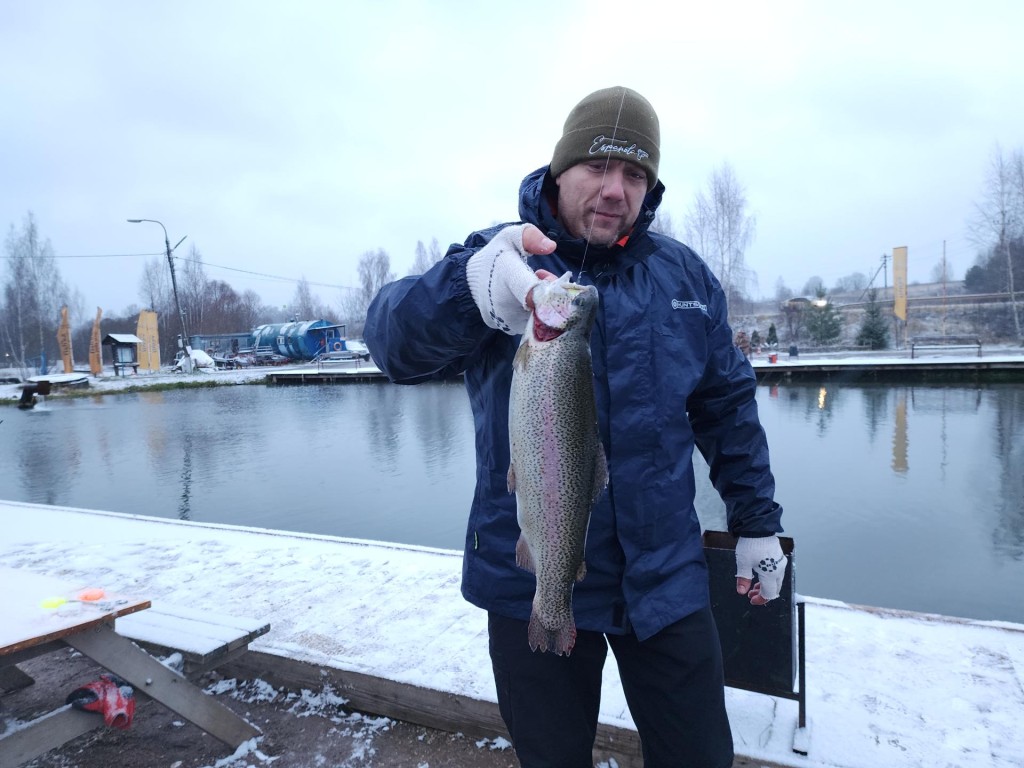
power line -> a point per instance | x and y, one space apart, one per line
94 255
264 275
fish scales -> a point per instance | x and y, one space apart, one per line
558 466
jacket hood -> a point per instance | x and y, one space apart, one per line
535 194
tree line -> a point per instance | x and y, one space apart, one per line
997 228
718 224
33 291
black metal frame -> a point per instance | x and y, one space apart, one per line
751 664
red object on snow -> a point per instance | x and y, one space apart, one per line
110 696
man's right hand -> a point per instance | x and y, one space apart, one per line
500 279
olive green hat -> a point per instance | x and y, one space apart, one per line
614 123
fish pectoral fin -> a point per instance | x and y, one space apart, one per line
522 358
511 478
523 557
582 571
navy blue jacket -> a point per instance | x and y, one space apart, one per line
667 376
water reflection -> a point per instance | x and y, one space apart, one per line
185 507
934 519
909 497
1008 536
900 439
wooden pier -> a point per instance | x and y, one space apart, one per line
333 372
890 366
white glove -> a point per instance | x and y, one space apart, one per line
500 280
764 557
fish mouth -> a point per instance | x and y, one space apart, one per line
555 307
544 332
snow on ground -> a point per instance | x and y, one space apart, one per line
885 688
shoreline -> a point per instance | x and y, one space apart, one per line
880 684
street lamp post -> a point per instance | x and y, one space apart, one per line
186 363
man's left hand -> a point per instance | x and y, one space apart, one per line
764 557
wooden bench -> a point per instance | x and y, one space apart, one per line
44 613
204 640
944 342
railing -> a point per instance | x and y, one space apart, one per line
944 342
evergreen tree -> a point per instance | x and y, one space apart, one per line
773 336
824 322
874 329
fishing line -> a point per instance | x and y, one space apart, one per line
604 175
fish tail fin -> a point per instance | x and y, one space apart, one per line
560 640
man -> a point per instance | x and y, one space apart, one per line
666 376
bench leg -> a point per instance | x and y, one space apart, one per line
45 733
126 660
13 679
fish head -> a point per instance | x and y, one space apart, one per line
562 305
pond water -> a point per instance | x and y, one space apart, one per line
899 496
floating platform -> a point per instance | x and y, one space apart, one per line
387 627
890 366
62 379
327 372
862 366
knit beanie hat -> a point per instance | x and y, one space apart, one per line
613 123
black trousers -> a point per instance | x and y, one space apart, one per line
673 683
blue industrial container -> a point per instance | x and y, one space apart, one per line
299 340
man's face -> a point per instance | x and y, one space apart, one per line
600 199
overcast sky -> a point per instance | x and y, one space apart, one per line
288 139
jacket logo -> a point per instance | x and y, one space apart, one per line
677 304
605 146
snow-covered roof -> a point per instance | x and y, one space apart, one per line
122 338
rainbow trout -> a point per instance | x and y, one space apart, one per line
558 466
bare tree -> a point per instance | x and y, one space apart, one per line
426 258
782 291
32 296
942 272
192 289
305 305
999 218
374 273
719 225
155 290
352 311
663 224
251 310
301 305
855 282
813 285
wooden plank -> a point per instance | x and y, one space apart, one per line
45 733
126 660
16 657
40 609
80 625
198 638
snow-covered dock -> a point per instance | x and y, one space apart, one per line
885 688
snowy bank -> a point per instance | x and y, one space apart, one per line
885 688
